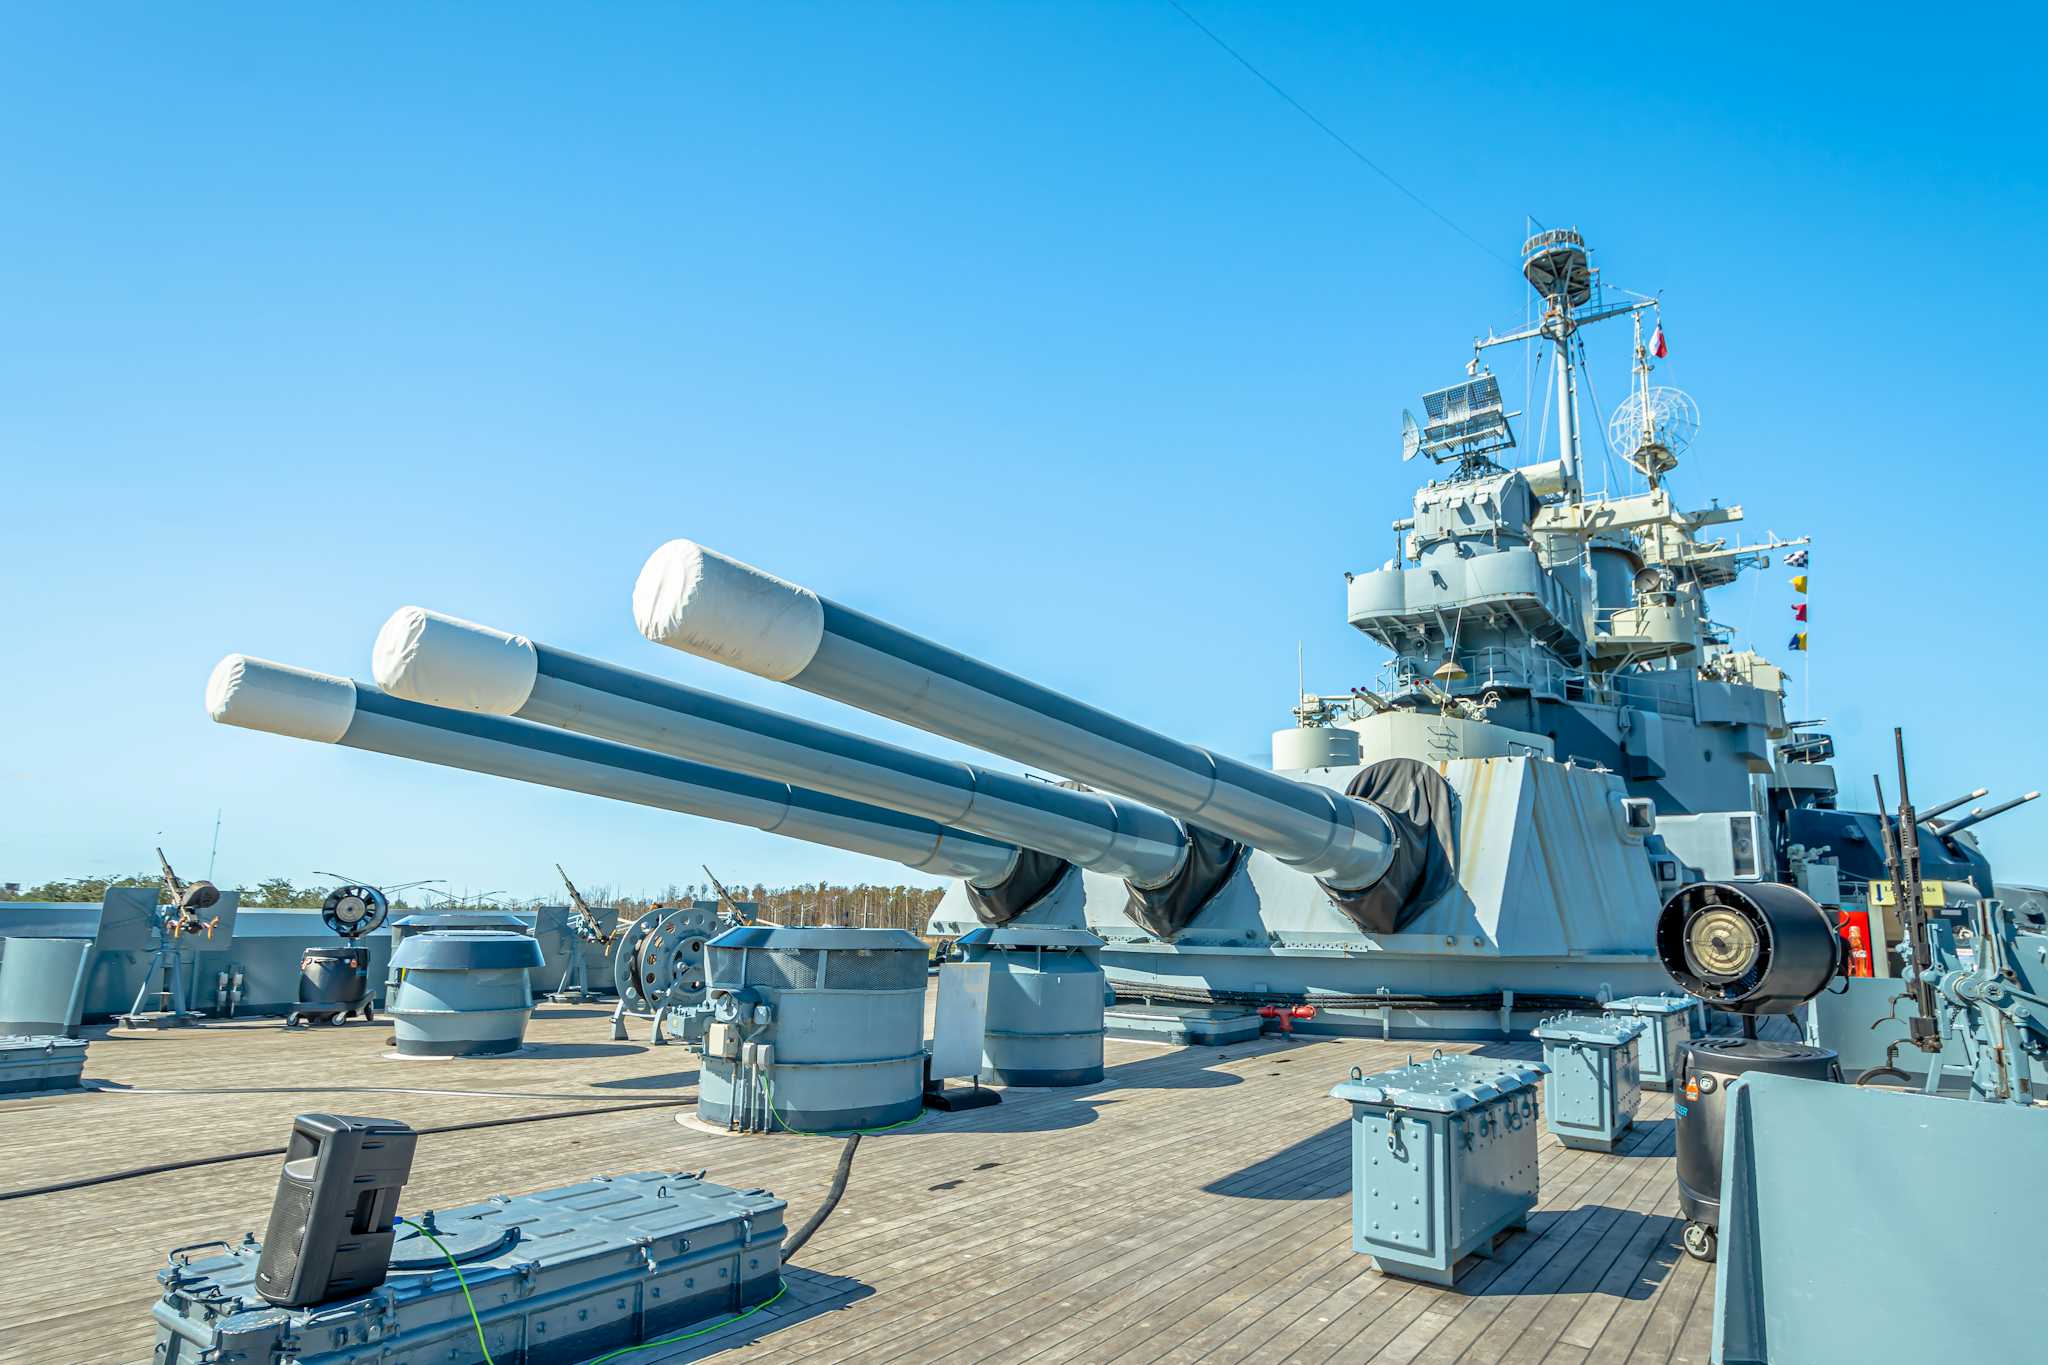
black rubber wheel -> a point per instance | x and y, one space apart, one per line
1701 1241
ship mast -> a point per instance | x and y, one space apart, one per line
1556 265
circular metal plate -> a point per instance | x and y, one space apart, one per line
671 969
467 1239
1722 943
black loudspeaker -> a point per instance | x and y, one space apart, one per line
330 1228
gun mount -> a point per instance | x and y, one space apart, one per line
186 901
161 1001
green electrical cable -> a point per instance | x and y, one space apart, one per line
460 1279
768 1087
781 1288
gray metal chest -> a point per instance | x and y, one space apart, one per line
1591 1097
40 1062
1443 1158
1673 1021
557 1276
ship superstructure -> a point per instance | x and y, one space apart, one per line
1565 738
1556 661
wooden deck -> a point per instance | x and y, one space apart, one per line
1192 1207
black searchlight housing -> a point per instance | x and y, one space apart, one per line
1754 948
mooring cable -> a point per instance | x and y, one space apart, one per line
164 1167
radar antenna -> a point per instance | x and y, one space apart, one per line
1411 436
1653 426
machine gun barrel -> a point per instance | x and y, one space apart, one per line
425 656
171 882
1978 817
575 896
260 695
704 603
1950 804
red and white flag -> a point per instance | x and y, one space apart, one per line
1657 346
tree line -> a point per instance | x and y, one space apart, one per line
806 903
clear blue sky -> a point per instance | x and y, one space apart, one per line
1043 329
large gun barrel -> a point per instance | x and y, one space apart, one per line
1946 806
425 656
260 695
704 603
1978 817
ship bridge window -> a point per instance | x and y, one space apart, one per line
1742 845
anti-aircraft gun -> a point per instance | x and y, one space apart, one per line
1825 1188
1973 973
589 932
178 916
728 903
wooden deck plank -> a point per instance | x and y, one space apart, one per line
1193 1207
972 1267
1140 1230
1492 1287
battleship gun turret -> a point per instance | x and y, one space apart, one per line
704 603
259 695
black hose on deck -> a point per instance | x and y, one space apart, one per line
161 1168
824 1210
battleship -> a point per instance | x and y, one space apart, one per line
1572 842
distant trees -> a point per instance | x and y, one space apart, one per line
78 888
814 903
272 891
278 892
806 903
